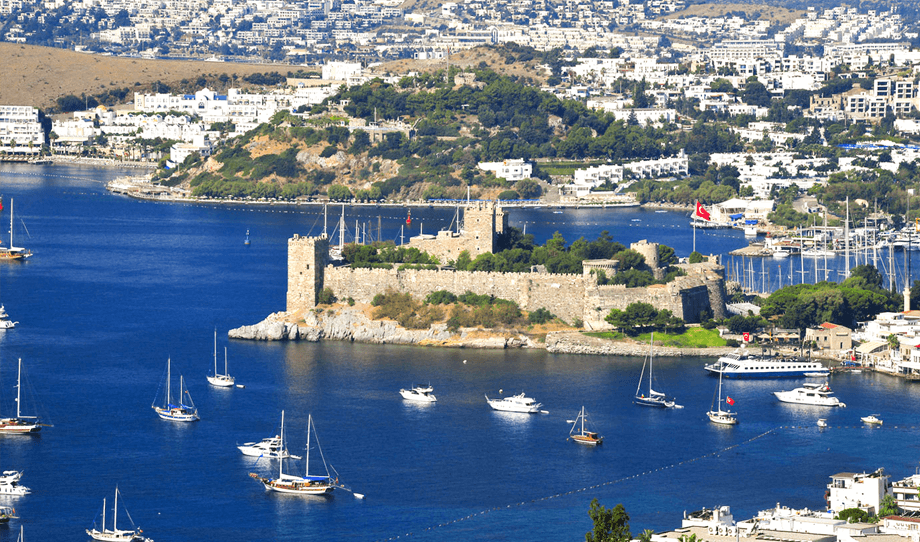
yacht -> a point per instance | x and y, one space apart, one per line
741 364
267 447
515 403
810 394
871 419
422 395
9 484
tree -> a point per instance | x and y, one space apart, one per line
696 257
755 93
889 507
338 192
609 525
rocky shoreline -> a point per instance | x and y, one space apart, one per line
354 325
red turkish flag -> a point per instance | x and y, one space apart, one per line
746 336
729 400
409 218
700 212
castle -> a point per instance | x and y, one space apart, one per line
570 297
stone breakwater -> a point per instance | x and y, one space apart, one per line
573 342
354 325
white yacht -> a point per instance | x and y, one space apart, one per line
515 403
422 395
810 394
871 419
271 447
743 364
9 484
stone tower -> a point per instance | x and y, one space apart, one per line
307 259
482 223
649 250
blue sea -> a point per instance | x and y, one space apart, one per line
117 286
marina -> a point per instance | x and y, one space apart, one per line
123 300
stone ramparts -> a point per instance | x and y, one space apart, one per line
562 295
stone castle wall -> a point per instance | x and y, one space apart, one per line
562 295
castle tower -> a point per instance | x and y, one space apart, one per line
307 259
649 251
482 222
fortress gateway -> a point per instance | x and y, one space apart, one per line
570 297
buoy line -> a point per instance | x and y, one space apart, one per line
587 488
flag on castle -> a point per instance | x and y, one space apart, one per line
701 212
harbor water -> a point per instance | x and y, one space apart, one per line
117 286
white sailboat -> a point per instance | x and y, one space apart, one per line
581 435
271 447
185 410
717 415
308 484
115 534
654 398
20 423
217 379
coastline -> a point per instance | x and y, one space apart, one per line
347 324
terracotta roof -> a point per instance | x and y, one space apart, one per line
828 325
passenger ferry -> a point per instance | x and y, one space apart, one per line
741 364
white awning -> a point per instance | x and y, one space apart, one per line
871 347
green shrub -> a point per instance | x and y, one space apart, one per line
326 297
328 151
351 301
540 316
440 297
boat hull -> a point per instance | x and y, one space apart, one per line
796 399
19 429
722 418
295 487
653 402
780 372
587 441
520 409
114 536
409 395
221 381
176 416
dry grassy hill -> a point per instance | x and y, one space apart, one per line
771 13
466 58
38 76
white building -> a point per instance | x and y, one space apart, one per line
510 170
863 491
180 151
341 71
20 130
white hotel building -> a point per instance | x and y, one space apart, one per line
20 130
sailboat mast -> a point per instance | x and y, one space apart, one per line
720 388
225 362
325 220
342 230
11 224
168 381
103 511
650 359
19 389
281 459
582 420
114 513
309 423
215 351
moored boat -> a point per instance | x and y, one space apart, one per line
20 424
217 379
185 410
810 394
742 364
654 398
719 416
115 534
579 434
9 484
301 485
422 395
515 403
271 447
872 419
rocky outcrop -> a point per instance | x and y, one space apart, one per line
573 342
354 325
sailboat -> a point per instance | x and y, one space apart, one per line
271 447
220 380
115 534
307 484
181 412
14 252
654 398
20 423
582 436
717 415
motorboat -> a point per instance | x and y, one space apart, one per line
780 253
822 422
871 419
515 403
271 447
9 484
6 514
810 394
579 434
422 395
743 364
